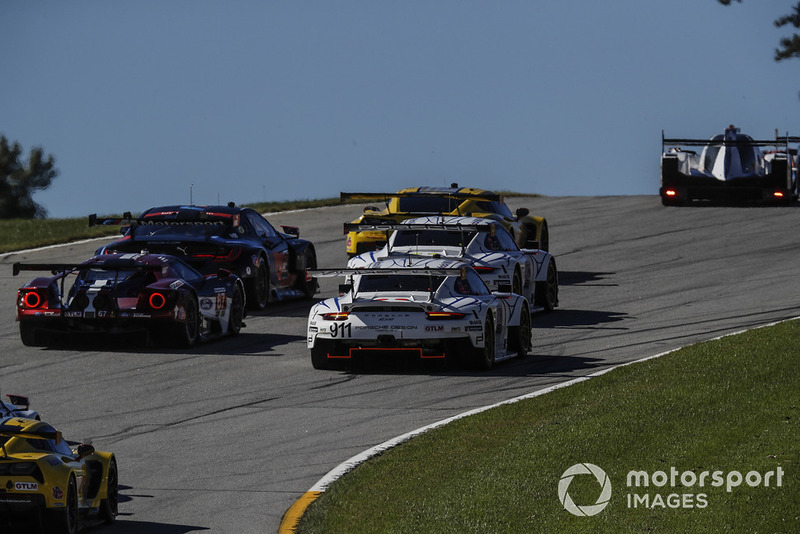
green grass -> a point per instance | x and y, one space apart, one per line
729 405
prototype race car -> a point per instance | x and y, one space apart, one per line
272 264
483 243
430 309
730 167
51 483
157 294
527 231
18 406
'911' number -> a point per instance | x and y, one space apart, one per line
341 330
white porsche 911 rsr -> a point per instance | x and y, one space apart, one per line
483 243
431 309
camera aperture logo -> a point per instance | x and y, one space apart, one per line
584 469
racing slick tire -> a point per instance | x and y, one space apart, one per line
516 283
547 291
236 310
28 335
65 521
483 358
308 287
520 338
258 287
109 506
188 332
319 354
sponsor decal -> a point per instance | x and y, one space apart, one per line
73 314
57 493
222 302
176 284
180 314
206 304
26 486
141 315
437 328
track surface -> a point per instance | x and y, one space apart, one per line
225 437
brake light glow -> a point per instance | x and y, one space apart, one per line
31 299
778 194
443 315
671 193
157 301
222 257
336 316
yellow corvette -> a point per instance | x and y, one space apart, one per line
528 231
54 485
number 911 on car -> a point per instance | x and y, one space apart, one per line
433 309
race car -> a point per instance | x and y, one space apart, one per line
431 308
50 481
17 406
730 167
159 295
527 231
484 243
272 264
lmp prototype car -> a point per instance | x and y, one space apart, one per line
430 309
156 294
483 243
730 167
272 264
527 231
51 483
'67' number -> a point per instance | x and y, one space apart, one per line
341 330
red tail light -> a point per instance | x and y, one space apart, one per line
671 193
157 301
443 315
482 270
336 316
778 194
223 256
30 299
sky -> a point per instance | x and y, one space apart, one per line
158 102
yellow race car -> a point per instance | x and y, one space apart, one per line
528 231
54 485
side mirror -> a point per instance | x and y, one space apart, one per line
291 230
84 450
522 212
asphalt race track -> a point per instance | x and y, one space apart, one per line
224 438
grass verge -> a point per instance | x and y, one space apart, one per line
729 405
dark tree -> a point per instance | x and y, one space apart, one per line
789 46
18 182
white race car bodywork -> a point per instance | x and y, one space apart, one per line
432 308
483 243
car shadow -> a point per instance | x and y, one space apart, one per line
573 278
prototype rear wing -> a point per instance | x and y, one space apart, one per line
343 197
780 142
56 268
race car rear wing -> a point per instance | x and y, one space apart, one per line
361 227
126 219
346 271
56 268
780 143
386 197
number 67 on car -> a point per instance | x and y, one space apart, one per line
429 309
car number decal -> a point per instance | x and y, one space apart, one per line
341 330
